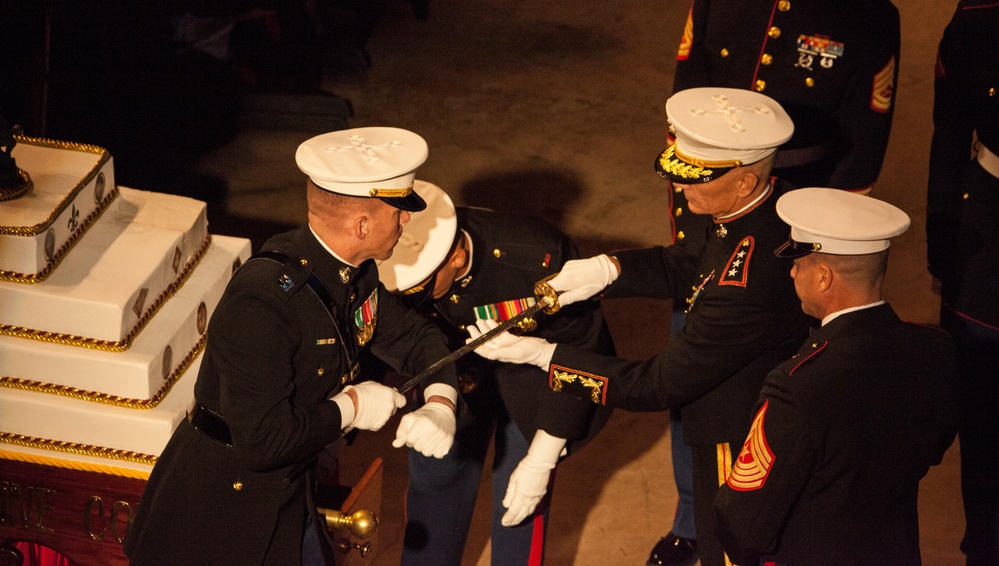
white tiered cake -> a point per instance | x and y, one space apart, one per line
105 295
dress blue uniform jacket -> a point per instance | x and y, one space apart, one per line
744 318
843 433
274 357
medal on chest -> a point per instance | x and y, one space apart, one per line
697 291
817 48
507 310
366 317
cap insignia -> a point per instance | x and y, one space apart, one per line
360 145
733 114
670 164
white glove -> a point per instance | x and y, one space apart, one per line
505 347
367 405
430 429
529 482
580 279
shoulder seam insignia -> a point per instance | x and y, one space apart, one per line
883 88
751 469
578 383
816 348
687 40
737 269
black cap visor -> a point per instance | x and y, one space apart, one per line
412 202
792 249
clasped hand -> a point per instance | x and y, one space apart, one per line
505 347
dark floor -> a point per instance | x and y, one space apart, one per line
553 108
556 108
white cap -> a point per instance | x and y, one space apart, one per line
425 243
366 162
832 221
717 129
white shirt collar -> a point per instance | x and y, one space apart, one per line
830 317
748 206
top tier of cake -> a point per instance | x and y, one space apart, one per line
73 184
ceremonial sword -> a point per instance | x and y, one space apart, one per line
547 302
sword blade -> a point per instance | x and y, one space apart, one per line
473 344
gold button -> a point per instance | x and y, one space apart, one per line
678 212
992 91
303 261
774 32
809 82
783 5
238 485
454 299
760 85
677 189
320 371
680 235
343 379
497 252
767 59
965 196
723 52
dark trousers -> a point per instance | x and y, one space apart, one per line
978 436
711 466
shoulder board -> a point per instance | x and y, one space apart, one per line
292 276
802 357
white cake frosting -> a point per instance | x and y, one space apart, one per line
132 258
82 434
138 375
72 185
105 296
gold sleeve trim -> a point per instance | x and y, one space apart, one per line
595 385
108 345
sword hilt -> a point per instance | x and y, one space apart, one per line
542 290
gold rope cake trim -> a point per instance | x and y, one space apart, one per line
43 142
64 249
71 465
108 345
76 448
107 398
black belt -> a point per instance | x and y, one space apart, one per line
209 424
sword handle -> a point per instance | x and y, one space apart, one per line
542 290
544 302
